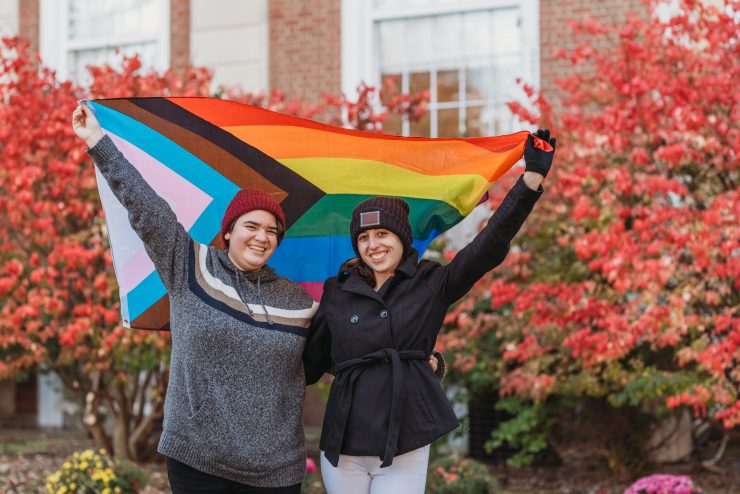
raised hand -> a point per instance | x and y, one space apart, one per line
539 152
86 126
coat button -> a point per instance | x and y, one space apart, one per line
383 314
354 319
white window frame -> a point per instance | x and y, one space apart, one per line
359 43
55 45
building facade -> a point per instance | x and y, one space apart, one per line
466 53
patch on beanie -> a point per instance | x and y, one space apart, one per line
371 218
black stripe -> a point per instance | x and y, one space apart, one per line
302 194
223 307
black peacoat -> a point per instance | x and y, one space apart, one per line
385 399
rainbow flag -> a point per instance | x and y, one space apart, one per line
198 152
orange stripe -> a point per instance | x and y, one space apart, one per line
223 113
430 158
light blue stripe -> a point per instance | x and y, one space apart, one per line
144 295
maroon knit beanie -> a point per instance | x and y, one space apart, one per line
247 200
390 213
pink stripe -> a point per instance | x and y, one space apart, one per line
314 288
186 200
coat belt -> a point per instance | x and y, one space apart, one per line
346 373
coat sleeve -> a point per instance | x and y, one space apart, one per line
165 240
489 248
317 353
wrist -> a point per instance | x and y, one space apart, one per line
93 139
533 180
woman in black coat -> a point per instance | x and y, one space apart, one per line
376 325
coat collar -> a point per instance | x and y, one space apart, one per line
355 284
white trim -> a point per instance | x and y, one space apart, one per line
358 63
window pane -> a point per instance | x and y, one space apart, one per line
448 85
448 123
479 83
80 59
506 72
448 38
420 40
474 127
418 82
478 34
96 19
393 124
391 85
506 31
420 128
391 42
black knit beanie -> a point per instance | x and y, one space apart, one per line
390 213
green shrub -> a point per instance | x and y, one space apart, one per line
450 475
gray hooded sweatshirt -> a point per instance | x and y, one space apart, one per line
236 388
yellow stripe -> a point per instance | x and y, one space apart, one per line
365 177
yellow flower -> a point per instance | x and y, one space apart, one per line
84 465
67 465
62 490
72 486
117 490
106 491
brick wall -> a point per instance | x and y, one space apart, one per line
555 34
28 22
179 34
305 47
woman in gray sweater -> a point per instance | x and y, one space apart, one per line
234 401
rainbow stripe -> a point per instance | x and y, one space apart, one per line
198 152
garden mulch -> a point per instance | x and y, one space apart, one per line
27 456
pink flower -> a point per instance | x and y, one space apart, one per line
310 465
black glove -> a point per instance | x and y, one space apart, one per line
539 160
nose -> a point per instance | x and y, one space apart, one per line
261 235
372 243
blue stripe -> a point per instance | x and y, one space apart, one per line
144 295
306 258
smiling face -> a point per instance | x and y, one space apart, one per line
382 251
252 240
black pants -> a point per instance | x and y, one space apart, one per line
187 480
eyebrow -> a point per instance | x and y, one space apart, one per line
250 222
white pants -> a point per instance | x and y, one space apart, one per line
363 475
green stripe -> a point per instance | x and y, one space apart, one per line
331 215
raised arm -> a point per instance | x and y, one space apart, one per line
491 245
165 240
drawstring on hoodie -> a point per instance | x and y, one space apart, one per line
259 296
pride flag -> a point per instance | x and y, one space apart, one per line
198 152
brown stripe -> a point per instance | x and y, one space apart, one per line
156 317
223 162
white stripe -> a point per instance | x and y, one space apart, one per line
230 292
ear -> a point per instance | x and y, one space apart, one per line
227 236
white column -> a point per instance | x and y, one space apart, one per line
51 402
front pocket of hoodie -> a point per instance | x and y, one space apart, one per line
203 410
